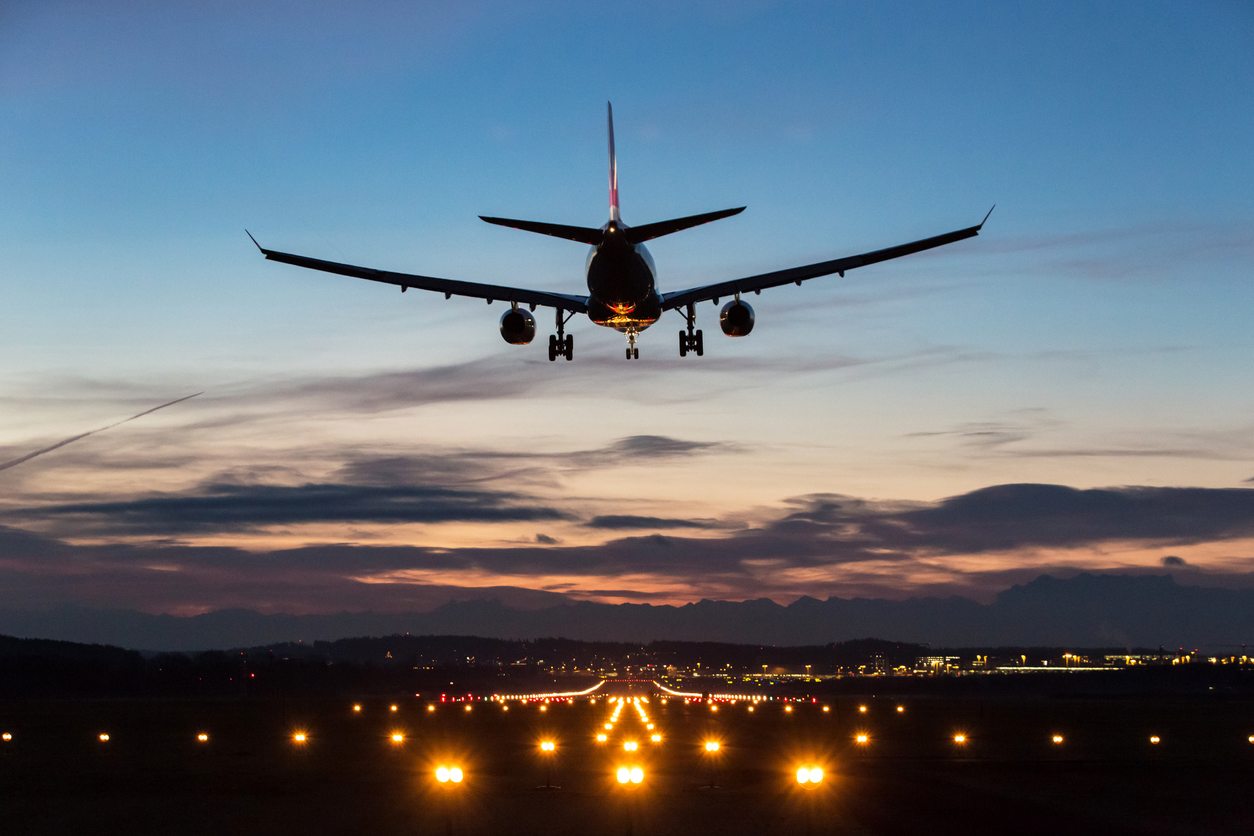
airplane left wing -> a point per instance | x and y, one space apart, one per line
797 275
449 287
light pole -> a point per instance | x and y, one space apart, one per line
548 751
712 750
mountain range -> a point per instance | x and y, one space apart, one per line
1087 610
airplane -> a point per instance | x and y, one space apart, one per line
621 278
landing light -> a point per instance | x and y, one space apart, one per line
1057 739
630 746
1155 740
299 738
356 708
548 746
103 737
202 738
960 739
712 746
656 738
602 737
449 774
397 738
8 737
862 738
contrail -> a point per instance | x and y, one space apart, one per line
73 438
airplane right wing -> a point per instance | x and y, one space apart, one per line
449 287
796 275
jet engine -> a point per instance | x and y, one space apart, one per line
518 327
736 318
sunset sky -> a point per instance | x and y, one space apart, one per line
1072 390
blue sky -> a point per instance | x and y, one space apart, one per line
1095 335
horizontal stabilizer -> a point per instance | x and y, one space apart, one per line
582 234
647 232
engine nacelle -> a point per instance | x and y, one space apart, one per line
518 327
736 318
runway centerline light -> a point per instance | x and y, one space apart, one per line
901 709
862 709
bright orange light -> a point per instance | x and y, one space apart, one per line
1057 739
1155 739
826 709
602 737
862 738
449 774
960 739
714 708
8 736
649 726
394 708
629 775
300 738
623 775
430 709
630 746
655 737
398 738
712 746
203 737
862 709
505 708
469 708
608 726
103 737
901 709
1250 738
750 709
788 709
544 708
548 746
809 775
356 708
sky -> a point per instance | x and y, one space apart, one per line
1070 391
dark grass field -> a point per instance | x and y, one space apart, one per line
154 777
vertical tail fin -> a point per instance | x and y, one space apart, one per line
609 110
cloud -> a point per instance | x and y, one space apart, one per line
546 540
628 521
234 507
1172 560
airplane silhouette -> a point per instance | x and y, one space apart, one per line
621 278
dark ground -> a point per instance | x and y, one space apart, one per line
152 777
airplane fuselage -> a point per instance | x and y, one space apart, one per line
622 283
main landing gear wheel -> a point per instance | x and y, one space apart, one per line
633 354
561 347
691 342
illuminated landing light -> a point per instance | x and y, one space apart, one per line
655 737
103 737
901 709
608 727
544 708
714 708
630 746
827 709
394 708
712 746
862 709
649 726
862 738
356 708
203 737
1057 740
1155 740
548 746
300 738
397 738
750 709
809 775
449 774
469 708
602 737
431 709
7 737
960 739
788 709
505 708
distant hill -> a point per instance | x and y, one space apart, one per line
1088 610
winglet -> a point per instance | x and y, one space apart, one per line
609 118
990 211
254 240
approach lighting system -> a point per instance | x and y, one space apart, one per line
548 746
300 738
809 776
629 775
630 746
655 738
862 738
397 738
449 774
960 739
712 746
602 737
862 709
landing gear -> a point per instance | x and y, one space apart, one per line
633 353
561 345
691 340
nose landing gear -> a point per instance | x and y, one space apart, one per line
633 353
